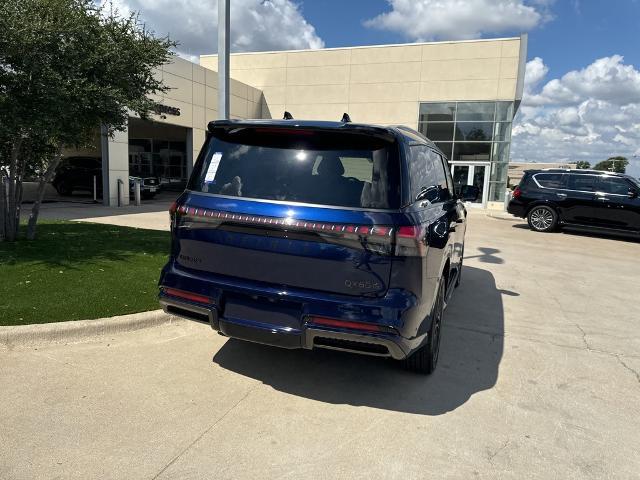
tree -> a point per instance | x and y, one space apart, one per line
583 165
613 164
66 67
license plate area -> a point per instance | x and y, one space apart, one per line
267 311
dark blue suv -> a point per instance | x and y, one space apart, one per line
305 234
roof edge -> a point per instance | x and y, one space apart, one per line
369 46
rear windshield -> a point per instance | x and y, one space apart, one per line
307 166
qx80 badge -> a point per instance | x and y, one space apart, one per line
362 284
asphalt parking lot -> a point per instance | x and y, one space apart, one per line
539 377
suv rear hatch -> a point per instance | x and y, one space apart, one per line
293 207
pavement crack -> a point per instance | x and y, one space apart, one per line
584 337
492 455
628 368
587 347
207 430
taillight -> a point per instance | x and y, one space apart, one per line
410 241
333 322
517 192
375 238
173 208
193 297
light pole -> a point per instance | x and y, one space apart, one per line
224 31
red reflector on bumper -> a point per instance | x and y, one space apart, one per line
332 322
194 297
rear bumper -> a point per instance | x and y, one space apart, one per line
308 337
517 208
389 311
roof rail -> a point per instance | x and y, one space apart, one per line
345 118
287 116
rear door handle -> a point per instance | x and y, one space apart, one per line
561 195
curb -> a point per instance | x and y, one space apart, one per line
68 332
502 216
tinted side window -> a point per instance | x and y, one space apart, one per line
425 169
447 173
583 183
550 180
615 185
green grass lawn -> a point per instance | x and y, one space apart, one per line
78 271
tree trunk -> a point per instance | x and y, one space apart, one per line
12 221
3 208
35 210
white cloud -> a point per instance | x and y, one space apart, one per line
589 114
423 20
535 72
605 79
256 25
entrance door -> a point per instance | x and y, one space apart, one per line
468 174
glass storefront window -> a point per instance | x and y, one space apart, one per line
476 112
439 132
446 147
473 131
504 111
499 171
501 152
502 132
497 191
471 152
437 112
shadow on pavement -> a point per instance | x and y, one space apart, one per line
470 354
584 232
487 255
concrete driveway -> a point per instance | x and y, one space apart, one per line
538 379
152 214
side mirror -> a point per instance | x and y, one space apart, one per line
469 193
633 193
431 193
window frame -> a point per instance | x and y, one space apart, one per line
564 180
447 176
438 160
622 179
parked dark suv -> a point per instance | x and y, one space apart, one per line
581 198
319 235
78 173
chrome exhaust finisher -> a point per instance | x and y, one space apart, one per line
352 342
190 311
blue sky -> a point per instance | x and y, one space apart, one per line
582 83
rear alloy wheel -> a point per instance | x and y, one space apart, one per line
425 359
542 219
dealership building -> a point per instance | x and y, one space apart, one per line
462 95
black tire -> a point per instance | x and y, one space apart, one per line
460 266
542 218
425 359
